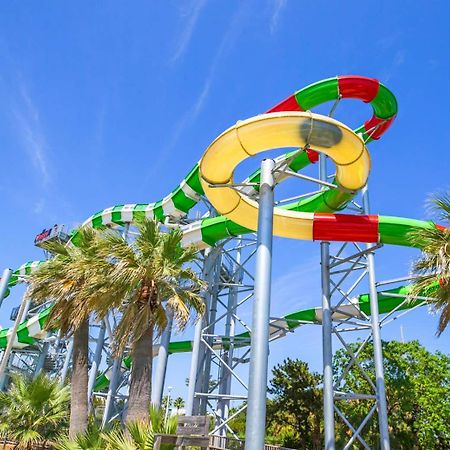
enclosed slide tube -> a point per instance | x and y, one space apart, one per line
288 124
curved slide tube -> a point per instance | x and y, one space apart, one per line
285 125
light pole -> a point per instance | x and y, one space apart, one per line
166 416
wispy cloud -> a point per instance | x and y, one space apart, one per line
29 126
190 23
277 9
191 115
296 288
397 61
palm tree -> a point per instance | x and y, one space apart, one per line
64 280
33 410
178 404
143 275
433 267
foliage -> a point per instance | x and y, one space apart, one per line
142 275
433 267
135 436
417 388
158 423
92 439
294 413
178 403
33 410
65 279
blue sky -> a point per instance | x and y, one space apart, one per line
111 102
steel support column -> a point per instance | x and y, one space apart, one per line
257 391
41 359
376 337
67 359
223 404
327 329
6 275
163 356
96 362
113 383
208 265
24 305
210 327
327 349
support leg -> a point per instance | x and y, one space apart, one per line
257 391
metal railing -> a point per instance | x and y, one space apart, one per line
227 443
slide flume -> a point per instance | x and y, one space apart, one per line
288 124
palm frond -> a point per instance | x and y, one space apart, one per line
432 268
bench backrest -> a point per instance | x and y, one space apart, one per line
193 426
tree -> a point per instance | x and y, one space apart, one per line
64 279
294 413
433 267
141 276
33 410
178 404
418 395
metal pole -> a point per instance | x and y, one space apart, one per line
67 359
41 359
6 275
166 414
327 327
6 354
376 336
327 349
255 429
113 383
96 361
195 357
223 405
206 376
163 356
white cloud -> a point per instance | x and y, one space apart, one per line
38 207
29 126
190 116
397 61
277 8
296 289
186 35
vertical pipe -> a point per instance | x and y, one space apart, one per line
41 359
257 389
327 349
163 356
376 336
67 359
96 362
113 383
223 405
195 357
206 376
327 326
6 275
24 305
194 367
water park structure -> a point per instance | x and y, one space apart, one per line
234 235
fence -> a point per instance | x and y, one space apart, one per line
226 443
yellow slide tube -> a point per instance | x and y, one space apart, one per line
277 130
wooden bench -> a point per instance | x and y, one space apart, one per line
191 431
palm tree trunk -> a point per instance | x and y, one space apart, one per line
79 381
141 378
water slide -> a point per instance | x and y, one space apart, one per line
288 124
